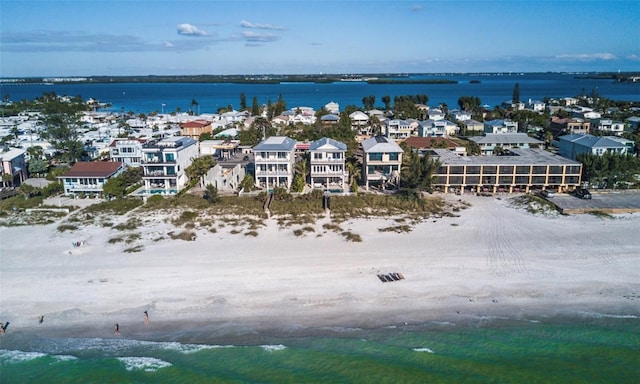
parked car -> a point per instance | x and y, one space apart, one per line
547 193
583 193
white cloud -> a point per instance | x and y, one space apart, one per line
248 24
253 37
587 56
190 30
416 8
168 44
633 57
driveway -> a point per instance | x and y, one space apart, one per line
610 201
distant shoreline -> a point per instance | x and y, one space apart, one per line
382 78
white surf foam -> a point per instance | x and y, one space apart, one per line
13 356
189 348
272 348
422 350
147 364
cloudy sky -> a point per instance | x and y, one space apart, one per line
117 37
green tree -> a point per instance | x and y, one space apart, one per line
417 172
387 102
243 102
211 194
200 166
62 121
27 190
248 183
114 187
516 94
298 183
38 167
354 170
255 108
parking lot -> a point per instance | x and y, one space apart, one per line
610 201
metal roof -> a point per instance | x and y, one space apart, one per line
276 143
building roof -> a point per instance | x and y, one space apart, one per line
590 141
12 154
521 156
330 117
100 169
276 143
381 144
195 124
327 144
505 138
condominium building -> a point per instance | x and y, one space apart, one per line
518 171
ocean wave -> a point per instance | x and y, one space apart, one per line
147 364
64 357
272 348
607 315
422 350
188 348
12 356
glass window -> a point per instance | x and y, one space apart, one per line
393 156
375 156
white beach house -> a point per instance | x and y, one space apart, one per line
164 162
274 161
328 170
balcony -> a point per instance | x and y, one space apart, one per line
156 160
159 174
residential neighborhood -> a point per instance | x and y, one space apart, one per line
475 152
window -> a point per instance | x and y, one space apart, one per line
393 156
375 157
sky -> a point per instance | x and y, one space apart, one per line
171 37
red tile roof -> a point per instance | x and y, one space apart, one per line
195 124
93 169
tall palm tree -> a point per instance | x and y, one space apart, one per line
354 170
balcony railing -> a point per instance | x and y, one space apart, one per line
157 161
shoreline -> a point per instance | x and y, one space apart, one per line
493 262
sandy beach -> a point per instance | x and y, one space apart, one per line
493 260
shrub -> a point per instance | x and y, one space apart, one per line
66 227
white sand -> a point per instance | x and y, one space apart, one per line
493 260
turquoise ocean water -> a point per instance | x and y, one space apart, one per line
593 350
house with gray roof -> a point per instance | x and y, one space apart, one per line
437 128
570 146
328 171
490 141
274 162
381 161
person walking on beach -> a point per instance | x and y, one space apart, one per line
41 319
116 329
146 318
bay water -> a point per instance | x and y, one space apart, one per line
492 90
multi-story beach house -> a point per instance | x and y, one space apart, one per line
568 125
520 171
274 162
88 177
127 151
398 129
381 161
491 141
164 162
195 128
437 128
14 167
608 126
570 146
500 126
327 163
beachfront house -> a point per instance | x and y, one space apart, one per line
522 170
274 162
572 145
381 161
164 162
493 143
500 126
225 177
127 151
13 168
328 171
88 177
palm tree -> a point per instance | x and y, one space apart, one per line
354 174
302 167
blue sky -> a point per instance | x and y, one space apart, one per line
89 37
